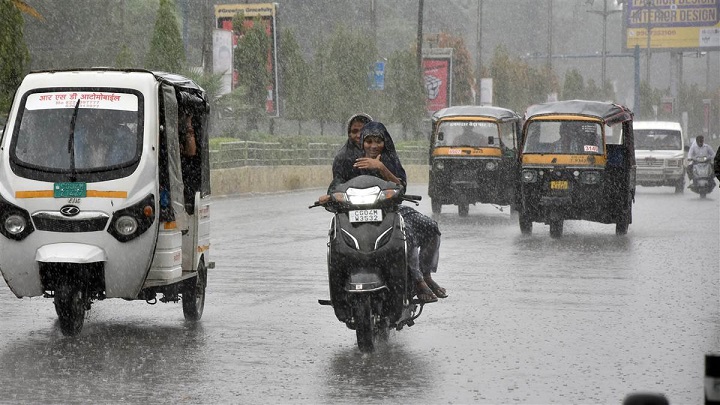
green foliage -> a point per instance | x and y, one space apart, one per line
574 86
516 85
339 84
125 58
251 63
295 76
405 91
14 56
166 48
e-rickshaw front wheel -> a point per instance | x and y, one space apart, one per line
193 294
70 306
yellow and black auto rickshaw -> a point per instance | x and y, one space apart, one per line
473 157
577 162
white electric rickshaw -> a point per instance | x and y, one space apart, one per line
98 196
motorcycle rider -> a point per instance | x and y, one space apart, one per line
351 150
698 149
380 159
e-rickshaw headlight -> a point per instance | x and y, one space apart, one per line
126 225
15 224
491 165
590 177
529 176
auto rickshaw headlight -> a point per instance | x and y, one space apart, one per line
126 225
590 177
491 165
529 176
15 224
439 165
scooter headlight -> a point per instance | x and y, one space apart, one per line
529 176
15 224
361 196
126 225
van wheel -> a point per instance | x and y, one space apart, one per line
556 228
436 206
680 186
193 294
70 307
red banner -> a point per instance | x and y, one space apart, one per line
436 72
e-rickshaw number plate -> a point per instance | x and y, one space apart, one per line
365 216
559 185
70 190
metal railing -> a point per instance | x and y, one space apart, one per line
252 153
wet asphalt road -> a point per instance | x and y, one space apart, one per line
587 318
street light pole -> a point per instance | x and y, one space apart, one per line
605 13
478 73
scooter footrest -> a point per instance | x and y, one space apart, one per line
325 302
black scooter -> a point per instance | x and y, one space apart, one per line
370 288
703 181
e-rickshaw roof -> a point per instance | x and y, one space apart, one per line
609 113
173 79
498 113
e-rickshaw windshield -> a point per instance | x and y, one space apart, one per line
564 137
468 133
76 130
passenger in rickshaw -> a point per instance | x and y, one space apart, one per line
189 159
380 159
468 137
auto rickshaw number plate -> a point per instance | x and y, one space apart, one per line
559 185
365 216
70 190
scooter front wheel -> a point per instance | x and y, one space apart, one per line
364 328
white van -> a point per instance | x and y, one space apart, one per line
659 154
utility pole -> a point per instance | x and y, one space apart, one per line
605 13
420 34
550 30
478 72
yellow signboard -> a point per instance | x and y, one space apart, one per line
673 24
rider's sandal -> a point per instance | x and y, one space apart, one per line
424 293
440 292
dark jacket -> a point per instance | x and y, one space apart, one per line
343 169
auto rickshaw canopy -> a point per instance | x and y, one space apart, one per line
608 113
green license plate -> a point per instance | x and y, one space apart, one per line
69 190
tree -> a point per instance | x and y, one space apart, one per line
125 58
574 86
14 55
251 59
166 48
295 76
462 71
406 91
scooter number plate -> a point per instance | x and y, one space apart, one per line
365 216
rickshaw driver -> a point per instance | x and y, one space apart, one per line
100 142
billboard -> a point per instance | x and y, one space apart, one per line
437 75
267 13
681 25
223 58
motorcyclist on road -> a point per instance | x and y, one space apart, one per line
380 159
698 149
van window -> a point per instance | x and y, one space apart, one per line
657 139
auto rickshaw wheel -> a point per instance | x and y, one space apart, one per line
70 304
556 228
193 294
525 224
621 227
680 186
436 205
